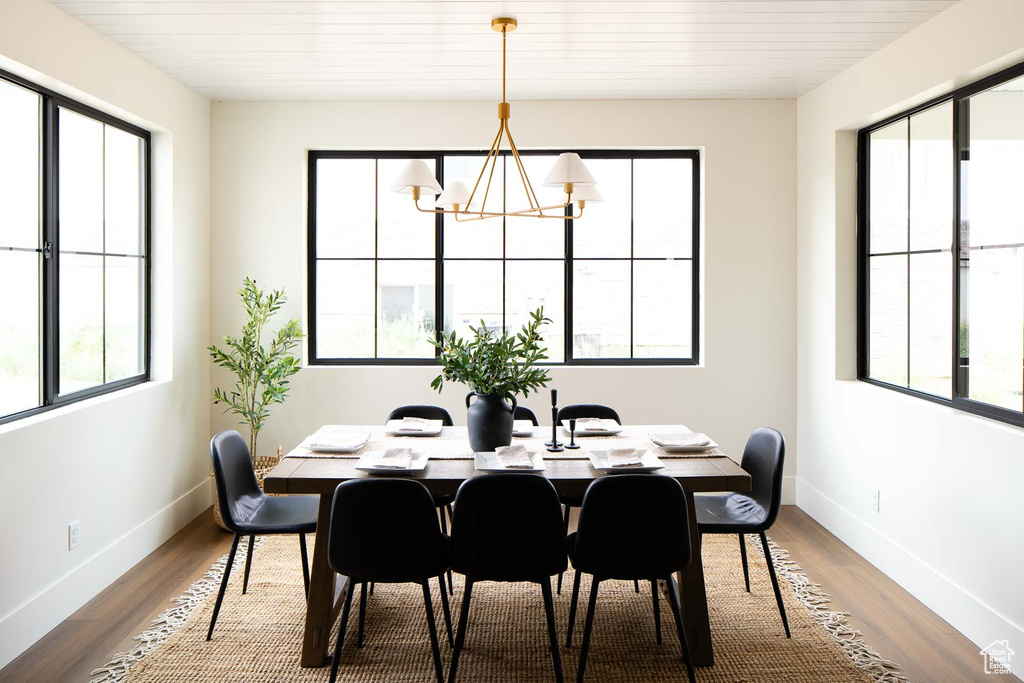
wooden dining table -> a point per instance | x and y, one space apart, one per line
451 462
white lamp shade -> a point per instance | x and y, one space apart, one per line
416 174
569 168
455 193
588 193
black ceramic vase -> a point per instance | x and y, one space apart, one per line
489 420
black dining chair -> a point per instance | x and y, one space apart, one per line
753 513
507 529
650 543
442 501
523 413
247 511
385 530
575 412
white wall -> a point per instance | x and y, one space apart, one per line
950 520
131 466
259 228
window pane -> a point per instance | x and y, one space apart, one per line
345 207
533 237
482 238
992 203
888 319
472 292
19 168
122 200
931 301
601 300
81 322
662 207
344 309
931 178
604 230
402 231
405 309
530 285
995 326
19 332
123 317
81 183
662 309
888 188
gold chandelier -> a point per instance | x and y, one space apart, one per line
569 172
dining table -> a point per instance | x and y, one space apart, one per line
451 462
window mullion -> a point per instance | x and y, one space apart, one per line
51 249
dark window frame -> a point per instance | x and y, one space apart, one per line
49 248
959 400
567 257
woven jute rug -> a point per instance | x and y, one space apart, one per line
258 635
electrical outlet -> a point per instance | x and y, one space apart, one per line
875 502
74 534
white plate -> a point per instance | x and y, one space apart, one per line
394 428
611 427
681 449
488 462
523 428
365 464
358 440
599 459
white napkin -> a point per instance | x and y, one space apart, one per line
414 424
682 440
590 424
394 458
514 457
335 440
624 457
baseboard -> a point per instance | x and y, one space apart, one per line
789 490
978 621
43 611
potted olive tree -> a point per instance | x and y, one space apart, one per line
261 371
496 368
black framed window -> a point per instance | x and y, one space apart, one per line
74 250
941 249
621 284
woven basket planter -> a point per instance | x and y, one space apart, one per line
262 466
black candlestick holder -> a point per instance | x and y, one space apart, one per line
572 435
555 446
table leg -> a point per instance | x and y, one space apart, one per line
323 602
693 597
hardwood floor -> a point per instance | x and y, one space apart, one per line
893 621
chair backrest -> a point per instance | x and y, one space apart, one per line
763 458
508 527
525 414
385 530
426 412
238 492
633 526
579 410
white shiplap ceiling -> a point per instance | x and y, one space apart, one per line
445 49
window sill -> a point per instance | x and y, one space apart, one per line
49 413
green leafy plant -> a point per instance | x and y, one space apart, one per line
261 372
492 363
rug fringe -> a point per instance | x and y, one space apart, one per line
837 624
169 621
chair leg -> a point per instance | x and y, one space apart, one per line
223 585
775 583
743 555
447 611
248 564
572 608
438 669
565 532
657 610
362 613
549 609
372 584
341 631
588 628
636 585
305 562
444 530
677 615
460 638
